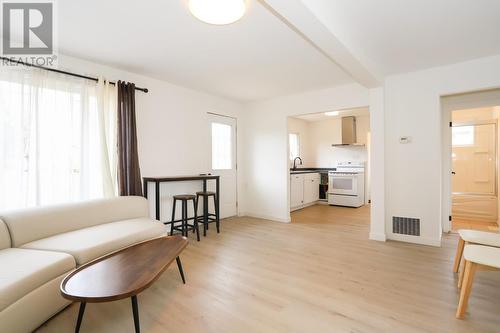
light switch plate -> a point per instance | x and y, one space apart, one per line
405 139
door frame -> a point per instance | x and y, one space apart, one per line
210 115
458 101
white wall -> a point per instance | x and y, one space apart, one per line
326 132
265 140
172 125
413 172
316 138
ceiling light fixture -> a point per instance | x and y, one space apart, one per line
332 113
217 11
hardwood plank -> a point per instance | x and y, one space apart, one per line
319 273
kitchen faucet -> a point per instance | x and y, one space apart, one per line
295 160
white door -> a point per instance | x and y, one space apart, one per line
223 161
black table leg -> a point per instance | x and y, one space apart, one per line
157 200
205 209
80 317
145 189
179 264
217 204
135 311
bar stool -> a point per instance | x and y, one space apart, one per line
185 226
208 217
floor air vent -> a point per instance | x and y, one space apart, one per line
406 226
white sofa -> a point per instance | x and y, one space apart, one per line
38 247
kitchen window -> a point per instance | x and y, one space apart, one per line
294 141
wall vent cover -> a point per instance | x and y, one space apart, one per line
406 226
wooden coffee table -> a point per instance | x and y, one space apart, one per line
122 274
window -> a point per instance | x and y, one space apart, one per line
462 136
294 145
54 140
222 146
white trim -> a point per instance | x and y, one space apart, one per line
267 217
414 239
377 237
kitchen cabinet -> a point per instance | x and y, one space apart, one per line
304 189
311 187
296 190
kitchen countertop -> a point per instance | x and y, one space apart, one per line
310 170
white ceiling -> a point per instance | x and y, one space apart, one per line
395 36
321 116
256 58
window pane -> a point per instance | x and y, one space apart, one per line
294 145
221 146
462 136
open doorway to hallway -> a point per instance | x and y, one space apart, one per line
474 168
470 179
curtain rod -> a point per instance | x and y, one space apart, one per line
64 72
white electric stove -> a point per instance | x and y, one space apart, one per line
346 185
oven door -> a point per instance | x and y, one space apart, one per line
344 184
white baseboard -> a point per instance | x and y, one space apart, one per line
415 240
267 217
377 237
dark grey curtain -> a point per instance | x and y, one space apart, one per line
129 173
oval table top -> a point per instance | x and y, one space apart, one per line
124 273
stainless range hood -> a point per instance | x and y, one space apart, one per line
348 135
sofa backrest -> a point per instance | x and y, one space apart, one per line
36 223
4 236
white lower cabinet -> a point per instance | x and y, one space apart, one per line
296 190
304 189
311 187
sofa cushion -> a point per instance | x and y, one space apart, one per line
36 223
4 236
25 270
90 243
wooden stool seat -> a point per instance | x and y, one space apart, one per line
475 257
205 193
184 197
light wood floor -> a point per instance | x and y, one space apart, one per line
318 274
458 224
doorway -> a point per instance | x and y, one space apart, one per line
222 161
474 169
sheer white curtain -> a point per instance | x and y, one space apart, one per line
57 138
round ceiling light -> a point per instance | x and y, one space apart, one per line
217 11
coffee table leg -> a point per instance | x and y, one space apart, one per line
179 264
80 317
135 310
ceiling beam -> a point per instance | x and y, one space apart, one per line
301 20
